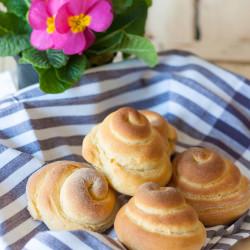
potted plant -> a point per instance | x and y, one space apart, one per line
60 39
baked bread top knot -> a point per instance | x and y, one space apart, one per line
161 198
212 184
201 166
162 210
69 196
159 218
129 149
129 125
201 171
127 135
85 194
167 131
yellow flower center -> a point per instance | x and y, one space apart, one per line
79 23
51 25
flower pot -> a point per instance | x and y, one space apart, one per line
26 75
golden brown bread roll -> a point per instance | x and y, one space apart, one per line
68 195
128 150
158 218
212 185
164 128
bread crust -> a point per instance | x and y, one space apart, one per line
68 195
158 219
212 184
129 150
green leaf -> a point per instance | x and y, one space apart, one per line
44 59
74 69
11 45
132 20
50 83
139 46
10 23
125 56
128 44
36 58
106 43
17 7
14 34
149 2
57 58
27 2
2 32
100 59
120 6
58 80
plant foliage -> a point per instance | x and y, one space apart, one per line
58 72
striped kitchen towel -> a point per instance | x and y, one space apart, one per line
209 107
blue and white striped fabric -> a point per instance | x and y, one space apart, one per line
208 105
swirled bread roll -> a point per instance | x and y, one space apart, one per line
128 150
167 131
212 185
68 195
158 218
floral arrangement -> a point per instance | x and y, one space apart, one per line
63 38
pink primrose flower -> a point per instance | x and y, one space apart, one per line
77 20
42 20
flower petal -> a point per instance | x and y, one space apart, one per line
54 5
88 4
101 16
38 15
75 44
41 40
90 38
35 1
58 40
61 21
76 6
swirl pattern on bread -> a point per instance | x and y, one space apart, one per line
68 195
159 218
212 184
167 131
129 150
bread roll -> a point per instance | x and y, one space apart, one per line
68 195
167 131
129 151
158 218
212 185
